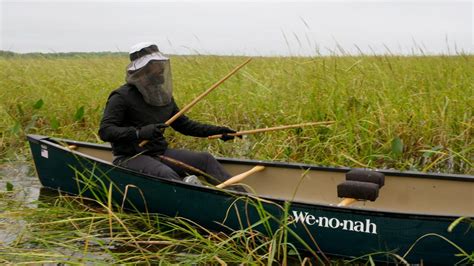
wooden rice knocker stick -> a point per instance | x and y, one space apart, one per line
253 131
197 99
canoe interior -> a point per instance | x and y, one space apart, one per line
416 194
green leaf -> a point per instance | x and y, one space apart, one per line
79 115
54 123
9 186
428 154
16 128
38 104
433 151
397 146
292 252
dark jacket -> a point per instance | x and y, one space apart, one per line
126 112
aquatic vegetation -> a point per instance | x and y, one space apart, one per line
69 229
390 111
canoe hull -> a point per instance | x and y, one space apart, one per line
332 230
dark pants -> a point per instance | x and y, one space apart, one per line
155 166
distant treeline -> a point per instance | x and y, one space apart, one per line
10 54
53 55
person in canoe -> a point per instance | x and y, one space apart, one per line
137 111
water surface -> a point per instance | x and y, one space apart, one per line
19 187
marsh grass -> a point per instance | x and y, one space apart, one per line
78 230
390 111
70 229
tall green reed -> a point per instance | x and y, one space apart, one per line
391 111
71 229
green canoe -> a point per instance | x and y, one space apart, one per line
411 207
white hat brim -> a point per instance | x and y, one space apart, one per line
142 61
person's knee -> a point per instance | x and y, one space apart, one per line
206 157
164 172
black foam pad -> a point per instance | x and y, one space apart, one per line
366 176
358 190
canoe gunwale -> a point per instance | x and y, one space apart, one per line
51 143
431 175
300 204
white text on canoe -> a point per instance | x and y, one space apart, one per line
335 223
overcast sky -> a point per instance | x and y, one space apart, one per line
239 28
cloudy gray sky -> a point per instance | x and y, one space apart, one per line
239 28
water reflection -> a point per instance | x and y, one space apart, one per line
24 193
23 178
19 187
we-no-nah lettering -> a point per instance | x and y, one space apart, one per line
335 223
